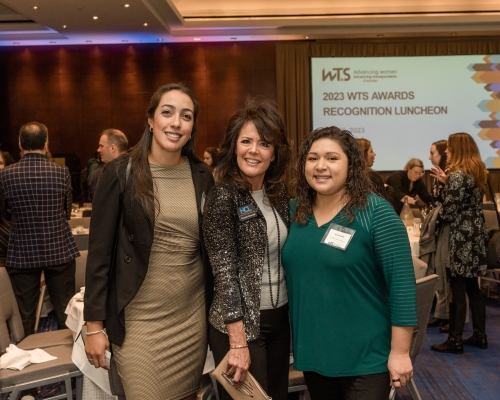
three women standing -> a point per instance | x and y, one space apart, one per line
246 222
148 279
461 207
352 297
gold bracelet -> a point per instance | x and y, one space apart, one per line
240 346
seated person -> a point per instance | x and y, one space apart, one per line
408 184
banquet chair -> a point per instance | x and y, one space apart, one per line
57 343
425 295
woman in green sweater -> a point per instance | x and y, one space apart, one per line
350 278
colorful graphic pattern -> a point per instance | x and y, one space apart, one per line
489 74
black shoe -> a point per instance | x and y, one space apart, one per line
436 322
452 345
445 328
479 342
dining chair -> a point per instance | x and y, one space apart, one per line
426 288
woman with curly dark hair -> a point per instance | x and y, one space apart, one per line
246 221
349 274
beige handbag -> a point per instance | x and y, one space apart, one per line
249 388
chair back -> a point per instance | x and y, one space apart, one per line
425 295
81 263
10 318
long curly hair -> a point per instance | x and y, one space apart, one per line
465 156
269 123
357 185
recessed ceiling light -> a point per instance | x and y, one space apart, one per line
65 26
453 34
306 37
145 24
160 40
126 5
197 38
95 17
35 7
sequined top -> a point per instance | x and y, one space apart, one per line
236 250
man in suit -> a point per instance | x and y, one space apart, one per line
112 144
38 194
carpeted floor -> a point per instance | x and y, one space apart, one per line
473 375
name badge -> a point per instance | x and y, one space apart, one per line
246 212
338 236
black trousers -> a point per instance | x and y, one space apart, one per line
459 287
60 281
365 387
269 353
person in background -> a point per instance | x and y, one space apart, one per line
5 160
407 185
38 194
210 157
441 313
352 301
245 225
152 297
380 188
462 209
112 144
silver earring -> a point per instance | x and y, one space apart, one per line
150 129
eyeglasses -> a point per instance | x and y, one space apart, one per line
417 173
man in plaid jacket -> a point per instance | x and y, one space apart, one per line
38 194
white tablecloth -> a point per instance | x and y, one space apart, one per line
414 243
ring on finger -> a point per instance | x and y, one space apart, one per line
91 361
396 380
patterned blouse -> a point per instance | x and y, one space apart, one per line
468 237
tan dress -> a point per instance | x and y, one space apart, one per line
165 345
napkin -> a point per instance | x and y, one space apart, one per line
15 358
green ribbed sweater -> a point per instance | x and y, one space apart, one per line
344 302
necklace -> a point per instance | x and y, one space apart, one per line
279 263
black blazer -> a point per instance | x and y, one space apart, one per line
109 286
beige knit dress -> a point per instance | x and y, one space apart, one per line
165 344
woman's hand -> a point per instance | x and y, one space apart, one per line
438 173
400 367
411 200
95 345
238 360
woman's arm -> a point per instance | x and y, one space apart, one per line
399 363
238 360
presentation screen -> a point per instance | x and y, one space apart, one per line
404 104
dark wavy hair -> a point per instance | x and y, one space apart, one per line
441 148
357 185
269 123
140 175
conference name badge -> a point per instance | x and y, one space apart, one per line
338 236
246 212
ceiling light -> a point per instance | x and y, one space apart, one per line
95 17
306 37
160 40
65 26
145 24
453 34
35 7
126 5
197 38
380 35
233 38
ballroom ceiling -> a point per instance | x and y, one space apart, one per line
61 22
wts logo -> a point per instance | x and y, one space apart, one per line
339 74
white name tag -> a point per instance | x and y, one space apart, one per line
338 236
